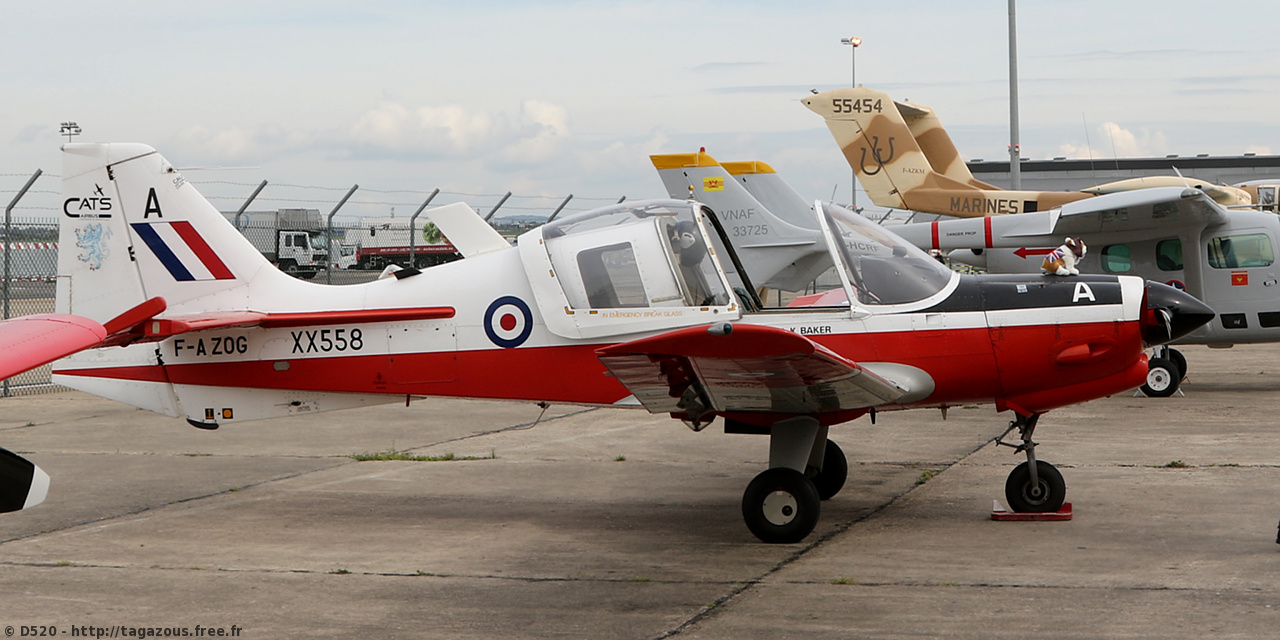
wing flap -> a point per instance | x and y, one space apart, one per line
748 368
30 341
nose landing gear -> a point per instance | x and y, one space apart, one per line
1035 486
1165 371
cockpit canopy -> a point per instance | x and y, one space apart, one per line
653 266
633 267
880 268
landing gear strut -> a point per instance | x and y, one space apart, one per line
1035 485
782 504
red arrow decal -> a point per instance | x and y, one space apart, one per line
1024 252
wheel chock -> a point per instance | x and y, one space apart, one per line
1000 514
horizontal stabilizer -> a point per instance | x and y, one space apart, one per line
30 341
22 484
143 322
743 368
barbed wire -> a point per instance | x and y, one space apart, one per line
466 194
552 200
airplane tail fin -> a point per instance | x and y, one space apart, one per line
941 152
765 185
776 252
132 230
139 241
878 143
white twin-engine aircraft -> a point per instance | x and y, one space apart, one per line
165 306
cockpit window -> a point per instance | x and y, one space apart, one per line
644 255
611 278
883 268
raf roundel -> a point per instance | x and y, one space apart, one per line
508 322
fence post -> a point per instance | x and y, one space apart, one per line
244 206
559 208
413 218
8 250
497 206
328 234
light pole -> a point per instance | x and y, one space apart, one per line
853 42
1015 155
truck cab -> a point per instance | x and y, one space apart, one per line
301 253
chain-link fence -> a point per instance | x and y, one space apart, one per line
30 259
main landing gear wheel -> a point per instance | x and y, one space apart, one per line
835 470
1044 496
781 506
1163 377
1179 360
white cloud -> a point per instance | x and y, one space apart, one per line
544 130
535 133
1113 141
235 143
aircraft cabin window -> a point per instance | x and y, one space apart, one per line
1116 258
1169 255
644 255
1241 252
611 277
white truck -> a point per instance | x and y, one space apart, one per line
292 239
383 241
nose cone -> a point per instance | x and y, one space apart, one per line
1171 314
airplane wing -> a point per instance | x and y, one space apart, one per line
30 341
1166 208
743 368
1141 209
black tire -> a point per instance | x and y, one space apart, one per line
781 506
1163 378
835 470
290 268
1047 498
1180 361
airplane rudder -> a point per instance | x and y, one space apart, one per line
97 277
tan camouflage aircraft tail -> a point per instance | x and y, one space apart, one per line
905 160
937 146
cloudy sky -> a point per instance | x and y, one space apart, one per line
546 99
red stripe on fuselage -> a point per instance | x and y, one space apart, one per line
986 226
933 229
967 365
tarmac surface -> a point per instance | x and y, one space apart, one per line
604 523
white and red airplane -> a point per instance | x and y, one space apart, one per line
166 307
